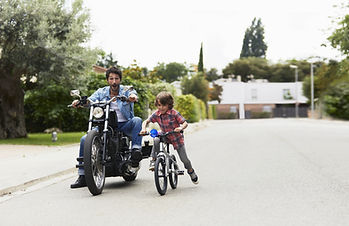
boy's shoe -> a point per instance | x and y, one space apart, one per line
194 178
152 165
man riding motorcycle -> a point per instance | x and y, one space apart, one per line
127 122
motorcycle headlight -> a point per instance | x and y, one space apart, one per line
98 112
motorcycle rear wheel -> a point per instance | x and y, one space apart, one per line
94 169
160 176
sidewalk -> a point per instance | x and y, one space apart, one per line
25 165
22 166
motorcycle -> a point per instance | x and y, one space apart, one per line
107 151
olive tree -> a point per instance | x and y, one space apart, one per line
40 42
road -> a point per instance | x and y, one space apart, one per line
251 172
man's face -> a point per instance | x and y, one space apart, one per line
114 81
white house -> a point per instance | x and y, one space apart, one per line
259 96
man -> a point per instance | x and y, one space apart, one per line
127 122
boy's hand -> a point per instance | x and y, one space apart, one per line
178 129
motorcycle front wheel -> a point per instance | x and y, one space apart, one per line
94 169
160 176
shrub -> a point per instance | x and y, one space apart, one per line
189 107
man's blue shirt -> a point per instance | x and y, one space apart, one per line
126 107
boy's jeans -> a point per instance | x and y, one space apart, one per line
130 128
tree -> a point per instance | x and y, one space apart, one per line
40 40
107 61
253 44
216 92
339 38
201 61
258 67
171 72
212 75
196 85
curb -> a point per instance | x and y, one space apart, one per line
24 186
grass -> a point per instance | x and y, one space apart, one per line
46 139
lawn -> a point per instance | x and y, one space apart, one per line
46 139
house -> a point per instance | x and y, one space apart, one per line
259 98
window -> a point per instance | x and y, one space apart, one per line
254 94
287 94
233 109
267 108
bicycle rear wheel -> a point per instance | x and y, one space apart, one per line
173 176
160 176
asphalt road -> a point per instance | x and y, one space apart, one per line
251 172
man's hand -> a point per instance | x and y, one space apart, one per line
75 103
143 132
133 98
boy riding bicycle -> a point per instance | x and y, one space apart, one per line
169 120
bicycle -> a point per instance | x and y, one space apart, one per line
165 165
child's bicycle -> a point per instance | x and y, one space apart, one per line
165 165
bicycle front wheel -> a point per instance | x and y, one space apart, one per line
160 176
173 176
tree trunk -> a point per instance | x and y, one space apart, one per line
12 122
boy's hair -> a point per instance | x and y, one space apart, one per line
113 70
164 98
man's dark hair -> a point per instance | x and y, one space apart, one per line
164 98
113 70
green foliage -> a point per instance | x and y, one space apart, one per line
46 139
212 111
336 100
196 85
156 88
170 72
226 115
202 105
258 67
106 61
339 38
140 74
189 107
212 75
201 61
216 92
144 96
41 38
261 114
47 107
253 43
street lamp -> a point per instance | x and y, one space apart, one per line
312 88
296 79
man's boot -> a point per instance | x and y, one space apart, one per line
79 183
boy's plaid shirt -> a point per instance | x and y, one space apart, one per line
168 122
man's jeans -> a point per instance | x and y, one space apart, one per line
130 128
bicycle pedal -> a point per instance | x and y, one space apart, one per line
180 172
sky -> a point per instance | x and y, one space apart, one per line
153 31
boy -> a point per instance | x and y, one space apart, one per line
169 120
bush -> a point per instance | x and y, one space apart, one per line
261 114
189 107
202 105
212 111
336 100
226 115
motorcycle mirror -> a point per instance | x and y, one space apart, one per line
129 88
74 92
